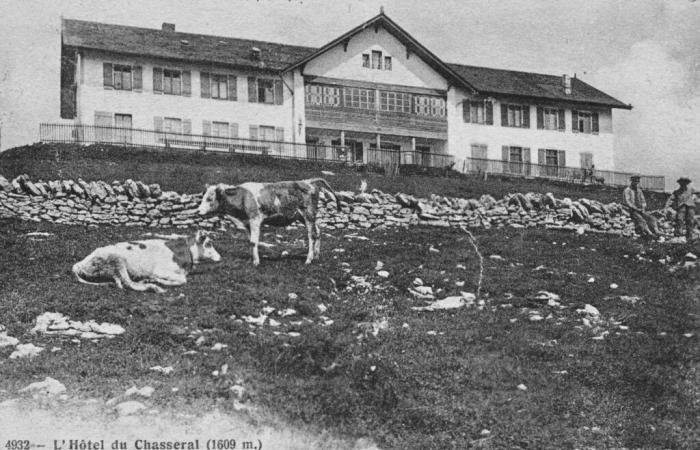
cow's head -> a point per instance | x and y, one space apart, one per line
210 201
203 249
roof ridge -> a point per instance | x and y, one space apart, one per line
508 70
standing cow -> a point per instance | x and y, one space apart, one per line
277 204
163 261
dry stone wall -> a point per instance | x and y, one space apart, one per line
133 203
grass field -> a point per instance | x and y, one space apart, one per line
427 379
190 171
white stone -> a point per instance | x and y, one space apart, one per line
613 286
164 370
383 274
7 341
49 386
145 391
26 351
129 408
522 387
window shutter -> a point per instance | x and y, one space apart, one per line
158 123
526 155
465 111
138 78
107 74
186 83
541 159
526 116
206 127
488 106
279 134
562 120
540 118
157 79
561 159
253 133
505 152
205 84
594 120
232 88
233 130
187 126
574 121
504 115
279 92
252 90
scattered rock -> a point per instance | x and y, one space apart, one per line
453 302
48 387
129 408
26 351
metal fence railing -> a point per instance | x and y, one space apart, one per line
570 174
163 140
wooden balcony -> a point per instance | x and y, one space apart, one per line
375 121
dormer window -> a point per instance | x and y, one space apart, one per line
375 60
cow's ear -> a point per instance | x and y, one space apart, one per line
231 191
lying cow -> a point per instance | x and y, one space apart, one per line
277 204
163 261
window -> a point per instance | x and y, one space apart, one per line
376 59
331 96
265 90
553 161
479 156
123 122
478 112
584 122
122 77
359 98
314 94
429 106
515 116
551 119
171 125
387 63
365 60
219 86
516 160
171 82
219 129
395 101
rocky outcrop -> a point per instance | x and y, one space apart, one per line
133 203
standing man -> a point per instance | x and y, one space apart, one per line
682 200
644 224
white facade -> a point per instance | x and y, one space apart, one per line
145 105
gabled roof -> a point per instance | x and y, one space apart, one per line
526 84
181 46
409 41
275 57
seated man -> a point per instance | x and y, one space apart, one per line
682 200
644 224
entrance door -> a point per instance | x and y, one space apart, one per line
423 155
389 153
351 153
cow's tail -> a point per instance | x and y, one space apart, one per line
323 185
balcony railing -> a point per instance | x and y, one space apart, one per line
165 140
570 174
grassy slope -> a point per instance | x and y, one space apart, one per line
406 388
189 172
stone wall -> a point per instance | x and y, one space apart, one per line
133 203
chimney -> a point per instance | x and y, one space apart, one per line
168 27
566 82
255 53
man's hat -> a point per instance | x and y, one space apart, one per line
635 177
683 180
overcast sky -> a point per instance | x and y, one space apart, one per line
643 52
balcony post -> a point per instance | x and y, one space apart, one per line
342 145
